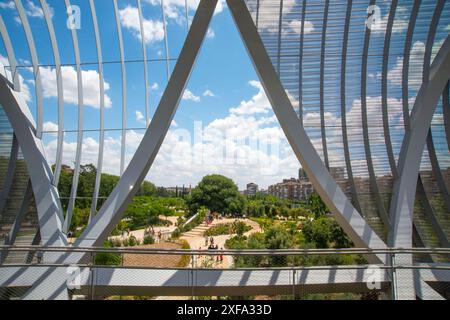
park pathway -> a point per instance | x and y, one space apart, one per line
196 240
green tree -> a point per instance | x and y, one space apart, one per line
318 232
317 206
147 189
339 237
86 185
295 213
218 194
277 237
64 187
80 218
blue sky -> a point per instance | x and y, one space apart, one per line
223 96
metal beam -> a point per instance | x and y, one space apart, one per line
186 13
124 88
384 89
144 55
166 40
101 143
404 190
412 148
430 39
46 195
53 284
202 282
406 59
300 63
121 196
59 89
348 163
437 173
431 215
322 82
11 56
425 75
346 215
35 63
280 30
365 131
446 112
79 150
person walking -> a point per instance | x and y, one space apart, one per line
159 236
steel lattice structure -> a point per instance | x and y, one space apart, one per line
381 164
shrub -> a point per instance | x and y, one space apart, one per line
237 227
107 259
176 233
185 259
149 240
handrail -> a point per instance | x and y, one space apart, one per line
289 268
245 252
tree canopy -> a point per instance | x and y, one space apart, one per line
218 194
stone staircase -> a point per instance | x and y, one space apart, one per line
25 238
13 204
15 198
198 231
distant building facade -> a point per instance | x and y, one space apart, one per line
178 191
252 189
292 189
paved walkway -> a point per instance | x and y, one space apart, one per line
196 240
139 234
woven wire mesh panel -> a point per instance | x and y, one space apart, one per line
347 82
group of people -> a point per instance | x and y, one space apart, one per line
157 236
209 243
209 218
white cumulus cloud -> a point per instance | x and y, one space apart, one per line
153 29
257 104
140 117
208 93
91 86
188 95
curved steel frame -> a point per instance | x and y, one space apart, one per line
35 63
102 111
124 88
144 54
45 193
53 284
413 143
446 112
384 88
365 130
417 130
348 162
300 63
322 87
166 40
59 89
11 56
79 150
346 215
